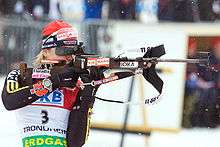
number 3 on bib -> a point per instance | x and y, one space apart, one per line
45 117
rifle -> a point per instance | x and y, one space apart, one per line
152 55
141 65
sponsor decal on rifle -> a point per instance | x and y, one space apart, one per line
105 80
91 61
98 62
40 73
113 78
99 82
103 62
128 64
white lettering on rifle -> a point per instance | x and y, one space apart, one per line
129 64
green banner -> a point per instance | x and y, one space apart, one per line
44 141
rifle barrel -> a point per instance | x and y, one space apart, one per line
200 61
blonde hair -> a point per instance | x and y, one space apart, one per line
38 59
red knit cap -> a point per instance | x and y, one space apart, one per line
53 27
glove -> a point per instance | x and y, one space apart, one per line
65 76
59 77
95 73
88 91
25 78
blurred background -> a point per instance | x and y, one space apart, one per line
188 113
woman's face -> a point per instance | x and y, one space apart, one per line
50 55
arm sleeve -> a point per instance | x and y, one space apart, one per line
78 126
14 95
80 116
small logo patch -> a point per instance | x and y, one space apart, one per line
129 64
42 87
55 98
40 73
66 33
